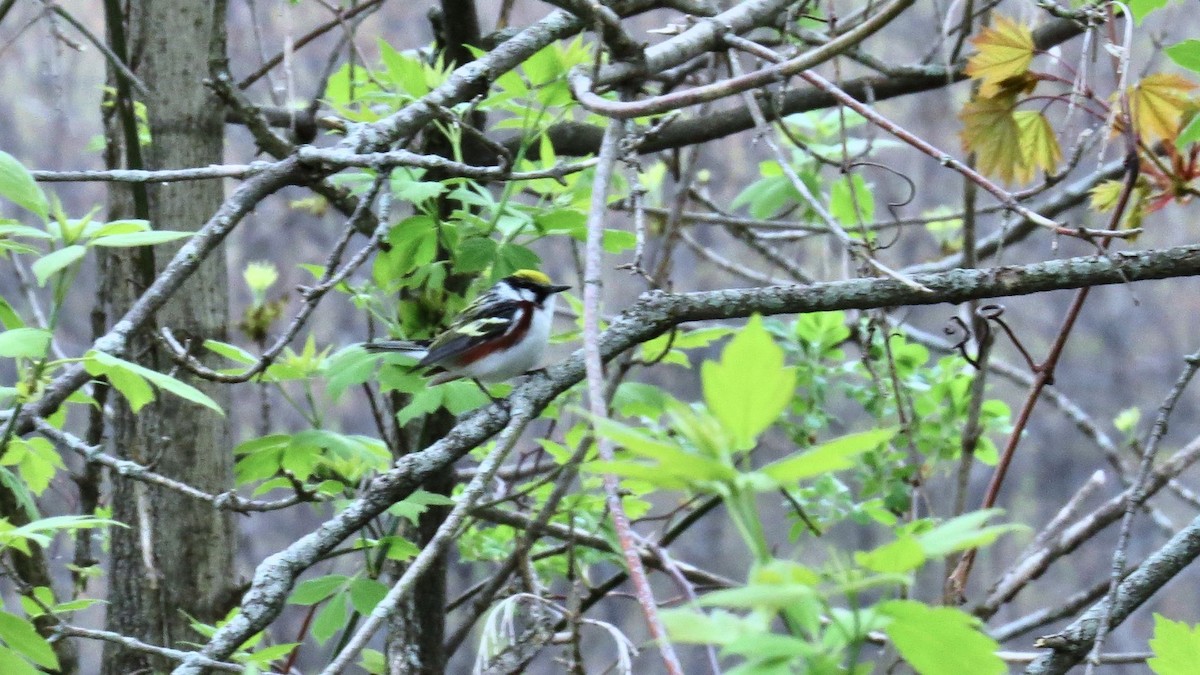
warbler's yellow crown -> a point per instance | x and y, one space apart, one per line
532 276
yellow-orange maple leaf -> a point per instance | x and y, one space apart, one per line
991 132
1158 103
1039 146
1005 51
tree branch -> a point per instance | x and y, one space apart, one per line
652 315
1071 644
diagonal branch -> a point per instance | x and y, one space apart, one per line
652 315
1071 644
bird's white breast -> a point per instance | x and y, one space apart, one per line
522 356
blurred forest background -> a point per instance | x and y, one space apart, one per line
1125 353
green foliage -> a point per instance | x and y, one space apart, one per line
921 634
749 388
331 461
133 381
21 642
18 187
1176 647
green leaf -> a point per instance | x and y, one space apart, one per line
24 342
101 363
331 619
717 627
400 549
922 634
671 458
140 238
637 399
1140 8
461 396
423 403
1176 647
365 594
413 244
373 661
512 257
851 200
474 254
829 456
412 506
750 387
113 227
18 186
351 366
11 228
406 72
768 596
12 664
1186 54
312 591
231 352
637 471
9 318
36 459
23 637
963 532
1190 134
902 555
55 261
133 387
615 241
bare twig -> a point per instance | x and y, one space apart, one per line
446 533
191 658
128 468
1136 497
1073 643
596 402
582 83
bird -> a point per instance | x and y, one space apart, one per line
500 335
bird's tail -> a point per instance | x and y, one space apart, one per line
414 348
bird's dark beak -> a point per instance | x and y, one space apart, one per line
558 289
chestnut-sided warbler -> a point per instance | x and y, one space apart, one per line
501 334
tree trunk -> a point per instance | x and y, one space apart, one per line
174 562
414 643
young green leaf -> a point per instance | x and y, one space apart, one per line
1176 647
18 186
12 664
331 619
940 640
24 342
830 456
902 555
312 591
1186 54
749 388
55 261
139 238
21 636
101 363
961 533
1005 51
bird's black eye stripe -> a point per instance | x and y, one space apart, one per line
521 282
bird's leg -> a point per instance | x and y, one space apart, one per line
502 402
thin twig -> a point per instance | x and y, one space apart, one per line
437 545
1135 496
595 381
230 501
307 38
192 658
